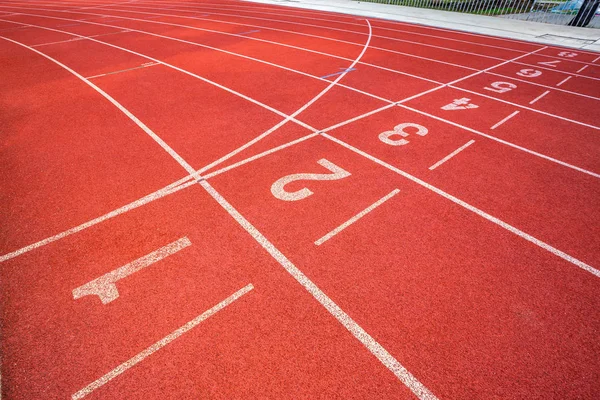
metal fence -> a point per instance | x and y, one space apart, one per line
560 12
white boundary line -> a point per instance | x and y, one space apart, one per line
356 217
471 208
373 346
504 120
449 156
160 344
539 97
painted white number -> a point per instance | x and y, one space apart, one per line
529 73
501 87
400 131
459 104
549 63
278 188
567 54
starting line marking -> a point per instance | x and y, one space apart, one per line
582 68
504 120
357 217
145 65
564 80
248 32
160 344
449 156
539 97
105 286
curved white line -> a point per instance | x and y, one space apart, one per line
298 111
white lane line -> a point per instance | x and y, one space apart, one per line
539 97
449 156
596 59
504 120
170 189
146 65
564 80
105 286
160 344
471 208
356 330
582 68
357 217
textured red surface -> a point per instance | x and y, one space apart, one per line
443 275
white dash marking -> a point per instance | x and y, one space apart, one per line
449 156
160 344
564 80
105 286
504 120
539 97
582 68
145 65
596 59
357 217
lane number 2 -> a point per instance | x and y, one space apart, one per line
278 188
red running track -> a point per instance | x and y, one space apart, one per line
221 199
